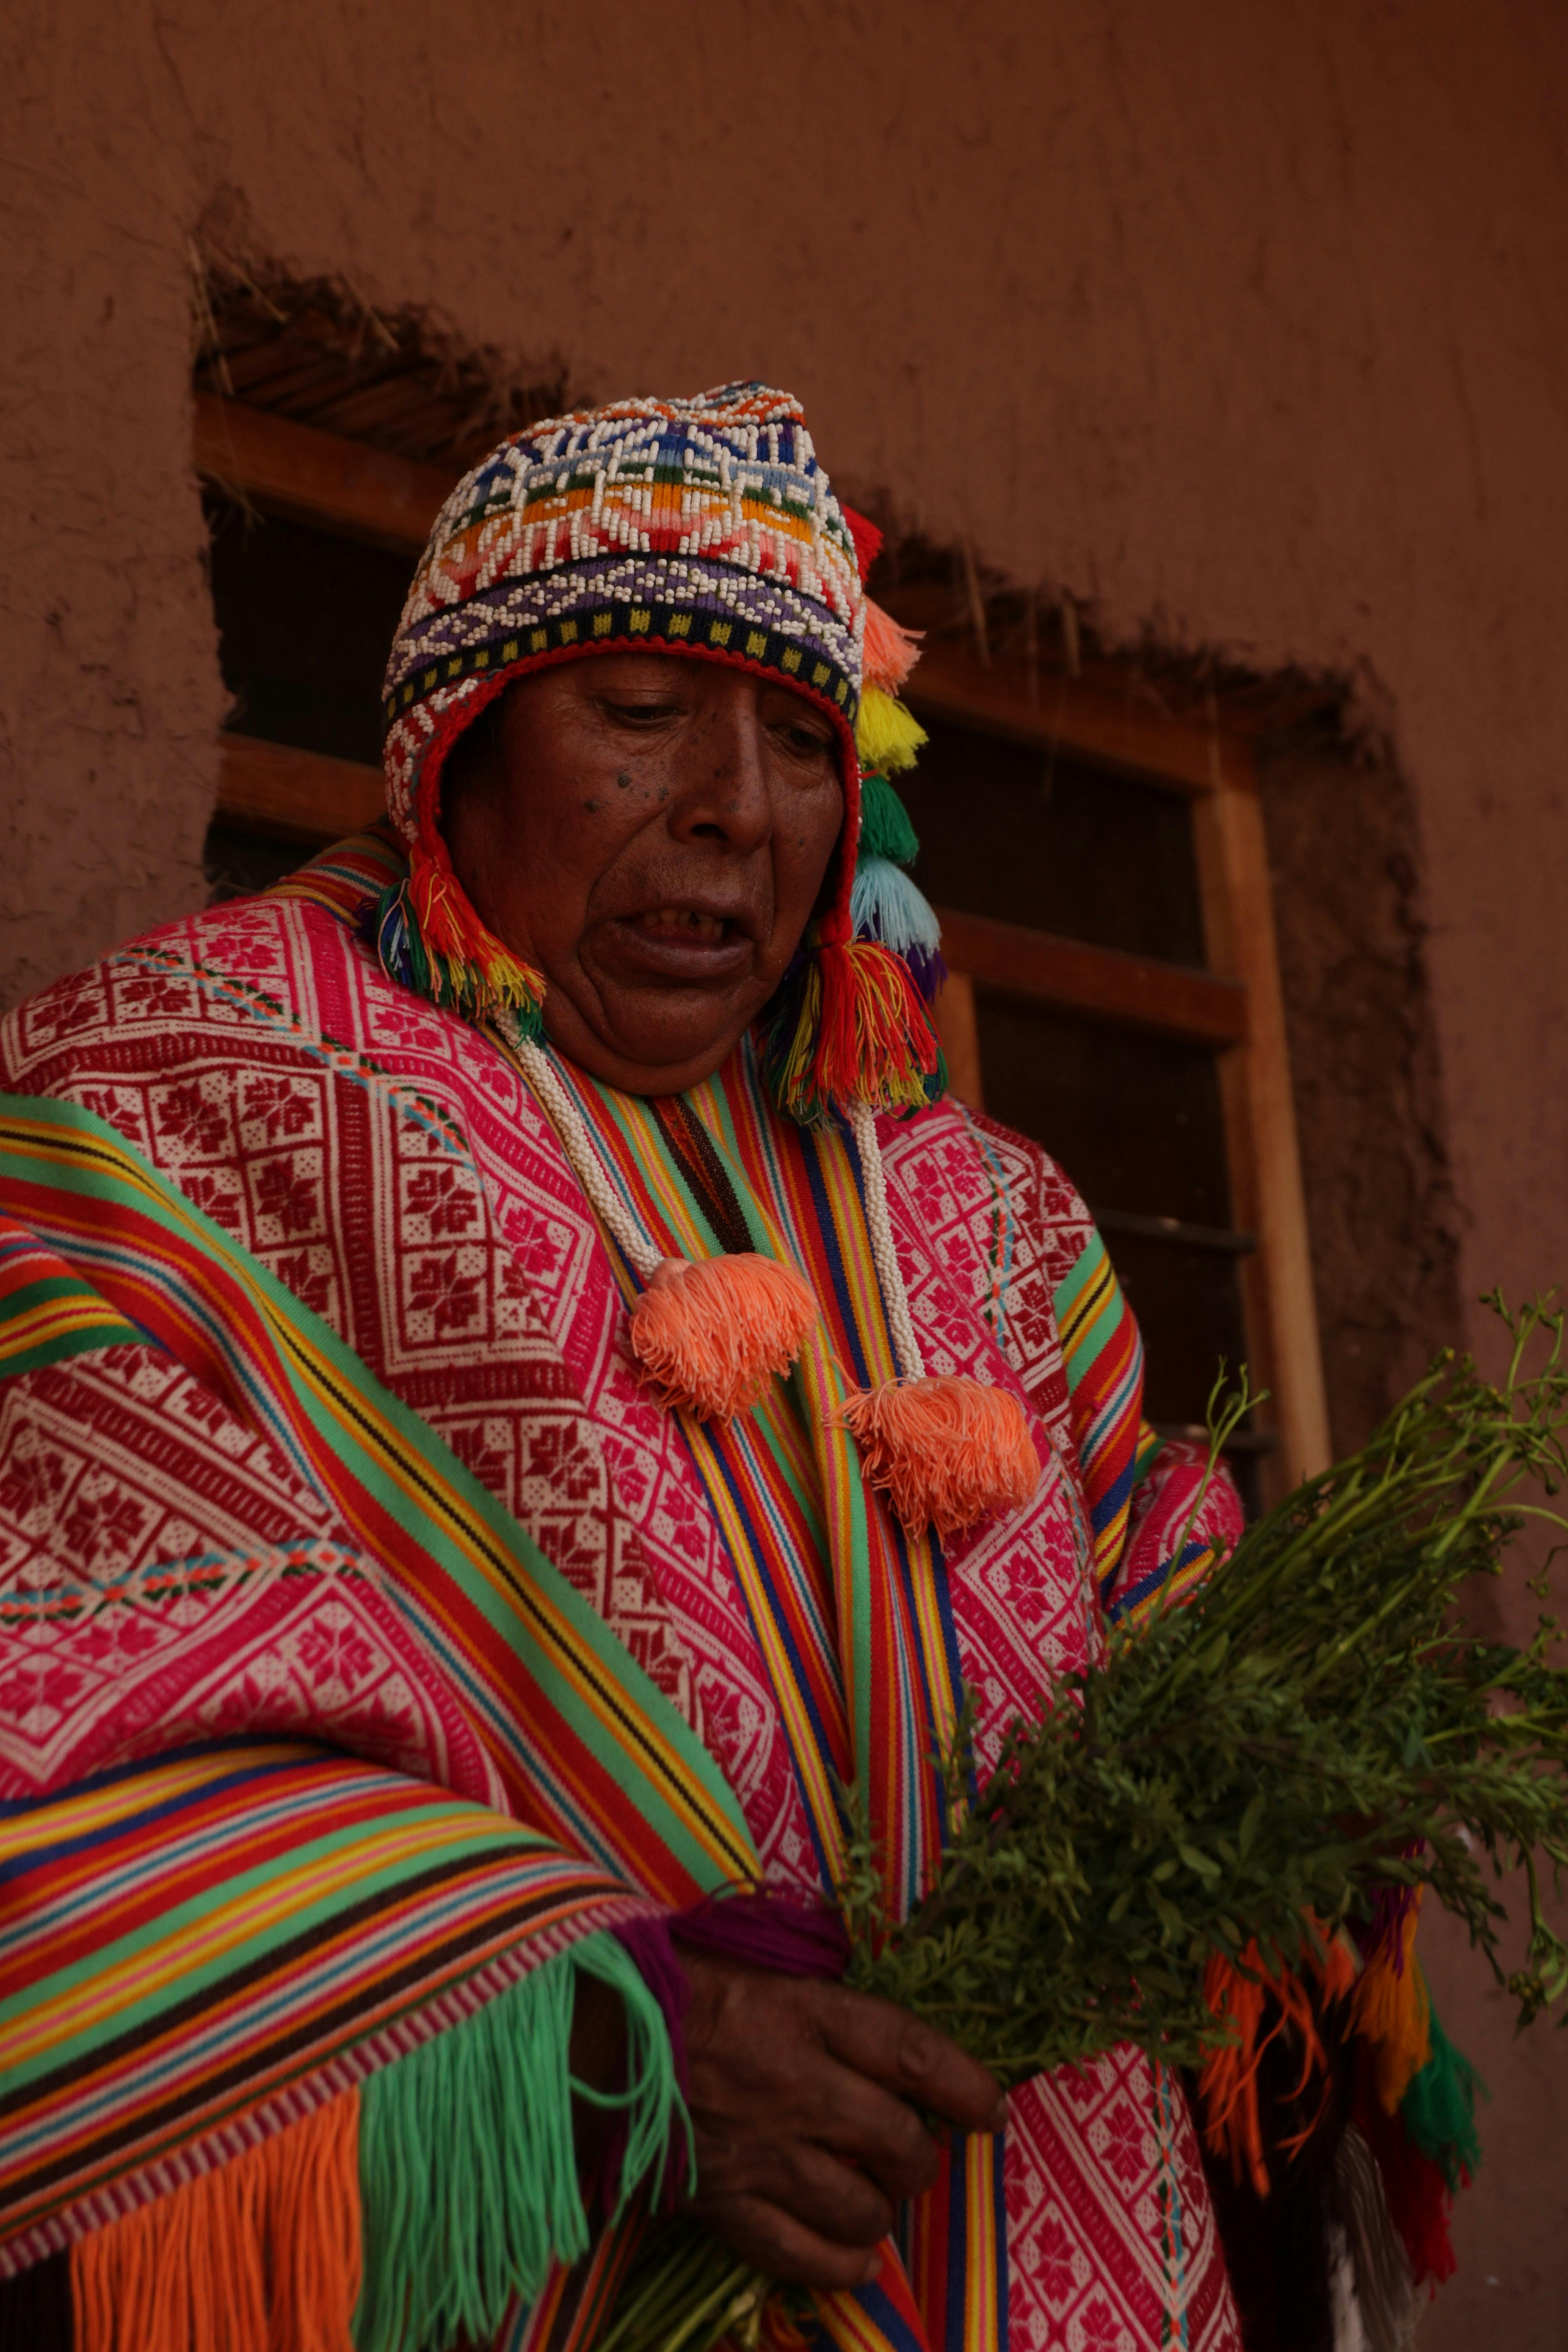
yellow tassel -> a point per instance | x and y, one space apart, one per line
712 1335
1393 2012
260 2254
946 1452
886 735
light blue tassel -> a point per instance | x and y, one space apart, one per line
885 905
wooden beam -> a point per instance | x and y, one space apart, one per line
954 1014
1134 991
1073 716
1260 1121
317 477
299 796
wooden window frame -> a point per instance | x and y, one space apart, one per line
1234 1005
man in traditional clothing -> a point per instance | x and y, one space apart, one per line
522 1392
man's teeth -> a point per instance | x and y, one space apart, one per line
684 918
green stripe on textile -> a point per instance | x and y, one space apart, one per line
44 1321
609 1703
1088 1269
469 2180
233 1922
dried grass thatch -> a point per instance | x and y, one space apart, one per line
313 350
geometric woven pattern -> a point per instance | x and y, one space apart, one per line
389 1166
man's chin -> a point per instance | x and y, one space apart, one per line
652 1048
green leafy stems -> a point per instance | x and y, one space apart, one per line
1316 1722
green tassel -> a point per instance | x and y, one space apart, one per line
885 827
1438 2110
469 2180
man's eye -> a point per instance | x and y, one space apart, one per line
806 742
642 714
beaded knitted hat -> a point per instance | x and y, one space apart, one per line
705 527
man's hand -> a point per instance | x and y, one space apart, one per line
805 2138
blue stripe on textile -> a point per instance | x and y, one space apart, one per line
956 2302
943 1596
1116 1498
1161 1573
999 2236
828 1235
111 1773
108 1834
803 1679
898 2336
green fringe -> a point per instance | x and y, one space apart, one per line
1438 2110
469 2183
885 827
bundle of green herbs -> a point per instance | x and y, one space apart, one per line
1318 1722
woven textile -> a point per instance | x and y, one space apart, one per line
385 1164
200 1949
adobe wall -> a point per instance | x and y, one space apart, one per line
1247 325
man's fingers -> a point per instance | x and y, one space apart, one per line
874 2127
773 2241
909 2058
840 2161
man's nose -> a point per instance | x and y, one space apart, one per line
721 795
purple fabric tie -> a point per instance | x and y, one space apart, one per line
792 1935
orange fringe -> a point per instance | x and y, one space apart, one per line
260 2254
1237 1991
891 651
947 1452
1393 2012
711 1334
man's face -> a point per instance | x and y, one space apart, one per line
653 834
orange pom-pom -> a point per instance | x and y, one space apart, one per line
946 1452
891 651
710 1335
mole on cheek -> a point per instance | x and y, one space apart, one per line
592 807
623 779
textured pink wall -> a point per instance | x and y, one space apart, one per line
1246 324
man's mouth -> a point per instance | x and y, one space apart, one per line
684 922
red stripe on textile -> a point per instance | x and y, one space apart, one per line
603 1794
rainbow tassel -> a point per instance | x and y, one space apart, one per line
886 736
885 827
428 939
850 1028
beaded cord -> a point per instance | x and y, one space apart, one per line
879 1225
578 1146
